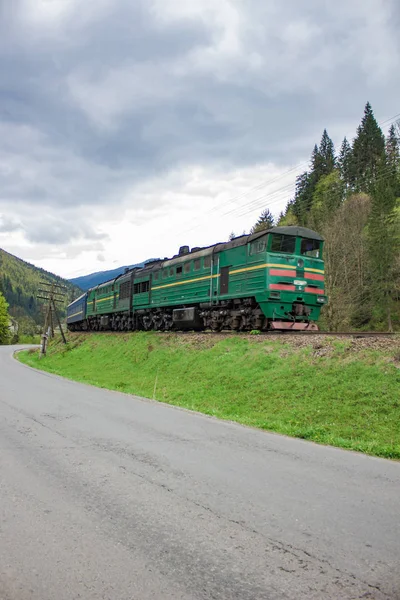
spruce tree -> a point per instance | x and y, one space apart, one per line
303 197
317 164
368 152
327 155
393 160
265 221
322 164
344 162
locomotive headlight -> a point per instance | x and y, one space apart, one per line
300 263
321 300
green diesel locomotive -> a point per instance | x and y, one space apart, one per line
271 280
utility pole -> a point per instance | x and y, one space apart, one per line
52 293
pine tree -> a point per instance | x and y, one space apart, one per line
303 197
265 221
393 160
4 321
327 154
344 162
368 152
322 164
317 168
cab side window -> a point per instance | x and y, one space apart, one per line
283 243
310 248
258 246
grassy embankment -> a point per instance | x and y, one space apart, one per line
340 392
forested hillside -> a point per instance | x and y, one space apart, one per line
19 283
352 197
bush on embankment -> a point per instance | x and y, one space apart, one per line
329 390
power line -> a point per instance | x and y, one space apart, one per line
389 120
264 183
258 202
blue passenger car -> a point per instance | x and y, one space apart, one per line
76 312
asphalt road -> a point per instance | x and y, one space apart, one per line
109 496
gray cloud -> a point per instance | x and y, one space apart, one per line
8 224
96 98
48 230
40 227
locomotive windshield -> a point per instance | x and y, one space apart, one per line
283 243
310 247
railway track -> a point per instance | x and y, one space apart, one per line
352 334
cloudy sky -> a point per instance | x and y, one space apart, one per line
131 127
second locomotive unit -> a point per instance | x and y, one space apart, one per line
270 280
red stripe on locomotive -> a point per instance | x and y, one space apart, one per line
282 273
314 276
283 287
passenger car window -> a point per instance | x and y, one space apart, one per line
197 264
207 261
283 243
310 247
179 270
187 267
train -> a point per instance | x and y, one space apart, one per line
272 280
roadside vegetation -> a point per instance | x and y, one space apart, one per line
334 391
5 335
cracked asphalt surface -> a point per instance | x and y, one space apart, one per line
110 496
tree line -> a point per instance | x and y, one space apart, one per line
352 197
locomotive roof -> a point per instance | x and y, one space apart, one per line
236 242
242 240
297 231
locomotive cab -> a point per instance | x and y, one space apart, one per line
295 277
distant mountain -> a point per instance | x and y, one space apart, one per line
20 282
88 281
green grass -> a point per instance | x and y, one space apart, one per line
28 339
331 392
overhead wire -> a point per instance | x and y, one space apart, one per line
275 196
262 184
